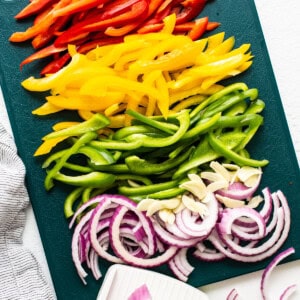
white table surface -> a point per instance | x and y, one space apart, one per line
280 21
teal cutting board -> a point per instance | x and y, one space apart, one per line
273 142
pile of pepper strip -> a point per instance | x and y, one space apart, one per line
153 157
91 23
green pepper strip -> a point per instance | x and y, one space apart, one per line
163 126
52 158
221 148
140 166
224 104
115 168
255 107
204 153
254 124
97 156
237 109
133 129
148 189
134 177
161 195
70 200
117 145
239 86
77 168
93 179
184 122
96 122
85 138
202 126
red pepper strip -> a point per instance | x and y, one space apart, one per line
38 18
78 6
138 10
56 64
33 8
121 31
44 25
198 29
165 5
45 37
45 52
150 28
60 62
212 25
192 9
153 6
117 7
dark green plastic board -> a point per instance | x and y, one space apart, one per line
273 142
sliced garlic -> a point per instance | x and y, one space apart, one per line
230 203
195 186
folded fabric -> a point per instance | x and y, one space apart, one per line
21 276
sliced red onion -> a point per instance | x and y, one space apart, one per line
229 216
244 233
171 239
233 295
265 211
75 246
283 217
141 293
94 264
125 255
288 292
185 219
176 271
82 208
180 265
269 269
207 254
93 225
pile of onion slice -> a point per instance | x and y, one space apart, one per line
110 227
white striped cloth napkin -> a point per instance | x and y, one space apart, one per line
21 276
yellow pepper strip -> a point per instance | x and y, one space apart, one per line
214 40
163 102
48 82
151 73
114 108
186 103
223 48
85 114
47 146
81 102
62 125
183 94
169 23
46 109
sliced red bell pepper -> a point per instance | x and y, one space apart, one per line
192 8
37 28
78 6
45 52
137 10
45 37
33 8
117 7
198 29
212 25
56 64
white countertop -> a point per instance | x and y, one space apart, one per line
281 26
